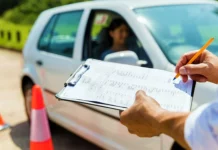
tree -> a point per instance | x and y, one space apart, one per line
8 4
27 12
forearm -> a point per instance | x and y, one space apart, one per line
172 124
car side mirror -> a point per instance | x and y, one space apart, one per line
125 57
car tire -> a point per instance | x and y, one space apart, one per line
27 93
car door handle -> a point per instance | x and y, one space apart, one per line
39 62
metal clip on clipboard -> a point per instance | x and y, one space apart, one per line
72 81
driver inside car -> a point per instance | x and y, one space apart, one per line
118 32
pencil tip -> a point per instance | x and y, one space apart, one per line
174 78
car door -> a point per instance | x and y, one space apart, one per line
56 46
96 42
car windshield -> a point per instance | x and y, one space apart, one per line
181 28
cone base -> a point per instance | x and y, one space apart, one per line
3 127
46 145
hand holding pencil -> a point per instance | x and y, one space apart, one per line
204 67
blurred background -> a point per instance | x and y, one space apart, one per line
18 16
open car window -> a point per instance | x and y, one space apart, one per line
97 42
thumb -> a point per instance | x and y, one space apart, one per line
140 96
193 69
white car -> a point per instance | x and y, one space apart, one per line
64 37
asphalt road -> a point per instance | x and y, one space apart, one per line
12 110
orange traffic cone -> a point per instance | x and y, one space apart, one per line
40 137
3 125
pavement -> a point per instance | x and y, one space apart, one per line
13 112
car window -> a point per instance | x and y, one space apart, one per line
46 35
97 41
64 33
101 20
187 29
60 34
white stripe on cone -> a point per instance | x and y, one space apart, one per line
39 126
5 126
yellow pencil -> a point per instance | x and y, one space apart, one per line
197 54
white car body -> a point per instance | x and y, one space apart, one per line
100 126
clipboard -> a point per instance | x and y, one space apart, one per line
69 82
77 75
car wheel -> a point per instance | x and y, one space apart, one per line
27 92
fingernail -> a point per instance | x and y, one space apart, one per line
182 71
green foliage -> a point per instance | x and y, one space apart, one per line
27 12
20 19
15 41
8 4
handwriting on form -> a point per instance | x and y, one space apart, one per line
117 84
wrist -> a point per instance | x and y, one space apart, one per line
172 122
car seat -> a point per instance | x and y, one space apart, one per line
103 43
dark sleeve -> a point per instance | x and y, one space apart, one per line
104 54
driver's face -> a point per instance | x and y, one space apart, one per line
120 34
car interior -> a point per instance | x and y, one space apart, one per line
97 38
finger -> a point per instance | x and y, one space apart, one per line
184 60
193 69
198 78
140 92
131 131
184 78
123 117
140 96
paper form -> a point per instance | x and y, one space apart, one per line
116 84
